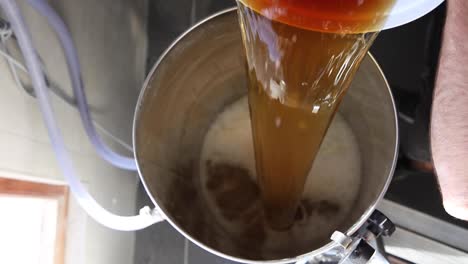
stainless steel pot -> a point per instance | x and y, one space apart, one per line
196 78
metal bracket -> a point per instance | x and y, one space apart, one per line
380 225
357 249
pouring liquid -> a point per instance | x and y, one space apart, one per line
301 57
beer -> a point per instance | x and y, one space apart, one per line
301 56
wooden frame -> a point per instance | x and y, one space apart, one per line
43 190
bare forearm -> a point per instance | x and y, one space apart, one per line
449 126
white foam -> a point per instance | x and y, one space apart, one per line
335 175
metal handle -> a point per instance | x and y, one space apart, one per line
356 249
363 253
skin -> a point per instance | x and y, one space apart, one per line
449 125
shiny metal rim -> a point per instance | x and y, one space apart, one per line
309 255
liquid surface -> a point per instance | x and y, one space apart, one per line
301 57
230 189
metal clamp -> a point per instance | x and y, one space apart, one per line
357 249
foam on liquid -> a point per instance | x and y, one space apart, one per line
228 179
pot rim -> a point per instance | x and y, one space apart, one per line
155 201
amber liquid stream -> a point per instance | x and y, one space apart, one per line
301 58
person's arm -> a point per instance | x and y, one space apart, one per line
449 125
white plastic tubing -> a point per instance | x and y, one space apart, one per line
74 69
125 223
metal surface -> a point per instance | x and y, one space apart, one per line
421 238
417 248
358 250
201 73
426 225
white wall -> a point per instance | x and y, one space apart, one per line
111 41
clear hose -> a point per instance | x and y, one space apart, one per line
74 69
125 223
